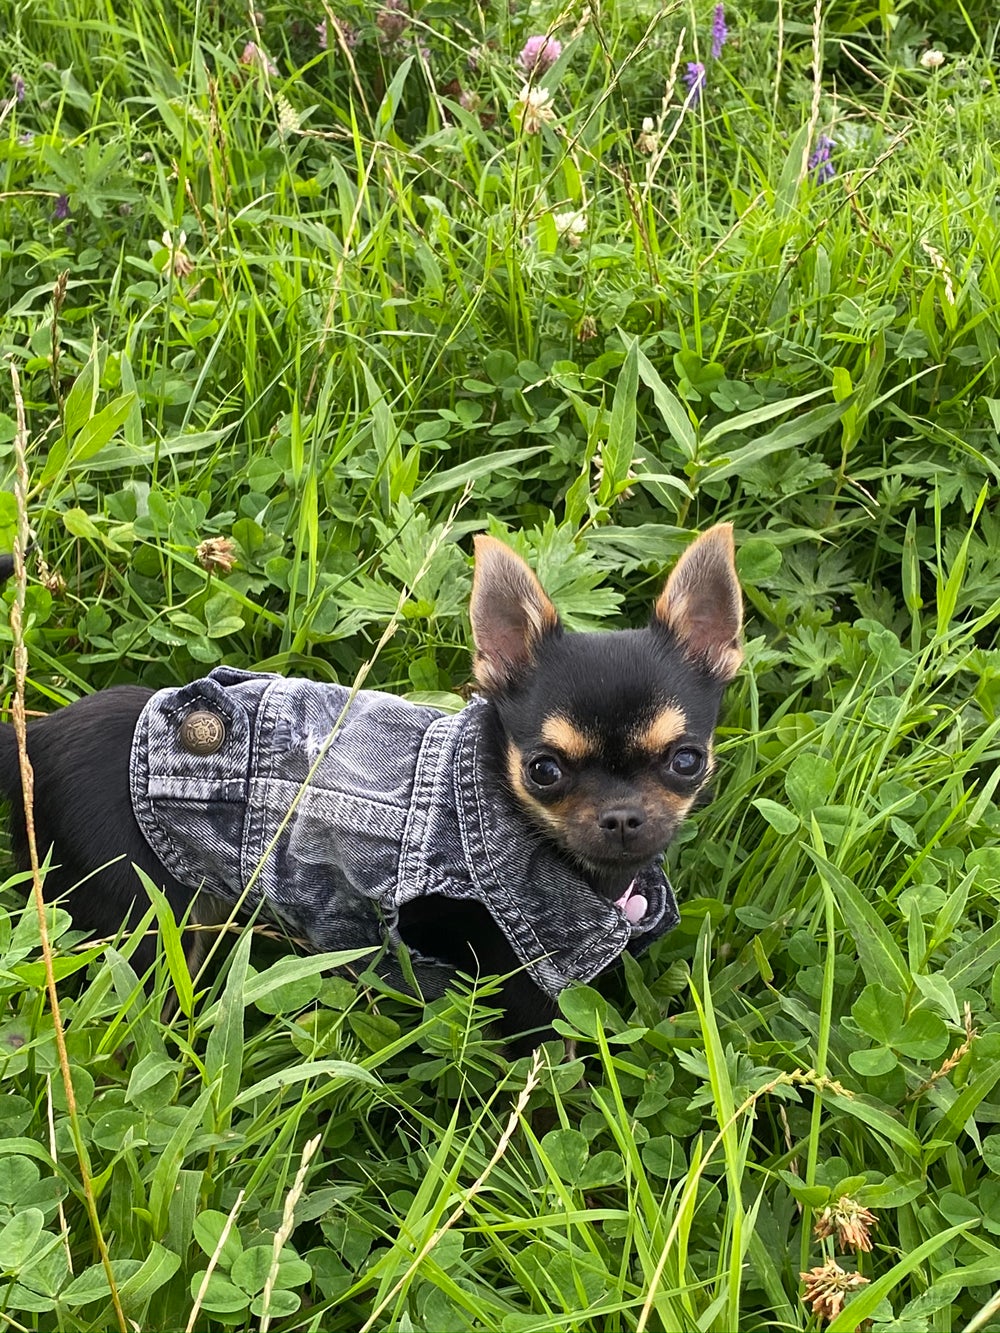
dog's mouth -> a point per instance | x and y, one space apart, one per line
614 878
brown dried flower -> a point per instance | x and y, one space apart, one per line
217 555
827 1287
849 1222
649 137
51 579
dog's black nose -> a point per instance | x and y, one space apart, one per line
622 823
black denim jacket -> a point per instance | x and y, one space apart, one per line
398 804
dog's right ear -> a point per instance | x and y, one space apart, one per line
702 606
510 616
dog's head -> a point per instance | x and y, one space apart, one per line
608 736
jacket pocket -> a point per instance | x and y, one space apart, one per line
191 760
197 744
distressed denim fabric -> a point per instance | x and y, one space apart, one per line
331 836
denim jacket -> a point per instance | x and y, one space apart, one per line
240 790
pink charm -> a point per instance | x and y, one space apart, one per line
635 908
633 904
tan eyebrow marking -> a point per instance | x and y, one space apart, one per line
668 726
560 733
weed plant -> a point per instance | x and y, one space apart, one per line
296 292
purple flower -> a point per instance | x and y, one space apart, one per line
720 33
393 20
345 33
539 54
61 211
19 88
820 165
694 77
253 56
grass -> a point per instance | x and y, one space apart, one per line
376 337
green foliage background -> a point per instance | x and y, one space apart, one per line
376 335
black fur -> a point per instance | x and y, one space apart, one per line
83 810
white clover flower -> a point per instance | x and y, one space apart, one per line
932 59
631 474
536 108
570 225
180 261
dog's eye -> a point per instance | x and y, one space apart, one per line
687 762
544 771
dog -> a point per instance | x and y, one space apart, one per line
521 837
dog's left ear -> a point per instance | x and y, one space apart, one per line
702 605
510 615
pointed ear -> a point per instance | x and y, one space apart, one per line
510 615
702 605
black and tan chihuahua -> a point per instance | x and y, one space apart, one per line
591 746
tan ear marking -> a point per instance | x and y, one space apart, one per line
510 614
702 605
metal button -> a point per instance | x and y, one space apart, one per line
202 733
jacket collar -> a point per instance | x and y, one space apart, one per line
559 926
